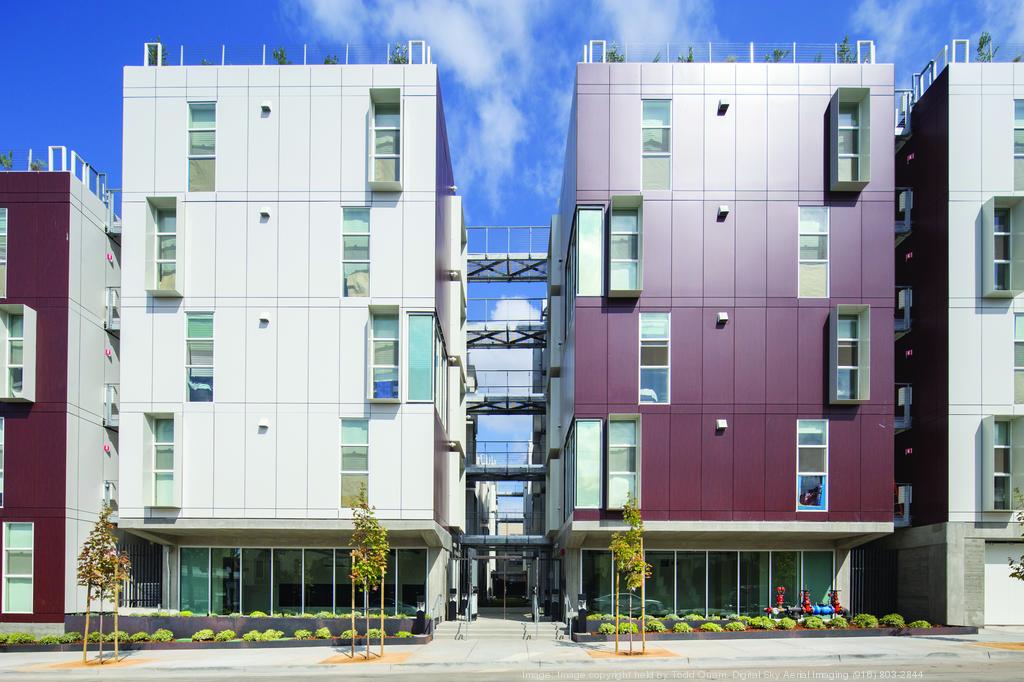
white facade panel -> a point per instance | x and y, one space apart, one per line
200 244
290 432
292 228
229 460
324 251
197 482
295 141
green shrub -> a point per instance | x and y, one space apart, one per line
139 637
374 633
270 634
606 629
838 623
257 614
349 634
608 616
693 616
49 639
162 635
786 623
403 634
302 634
94 637
813 623
762 623
71 637
21 638
322 633
628 627
892 620
595 616
919 624
682 627
3 637
185 614
324 614
865 620
225 636
735 626
672 616
654 625
744 619
122 636
252 636
204 635
710 627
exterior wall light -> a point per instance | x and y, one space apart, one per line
721 424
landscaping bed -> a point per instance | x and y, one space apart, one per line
186 626
769 634
336 642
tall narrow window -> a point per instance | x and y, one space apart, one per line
849 141
1018 358
355 459
1002 492
588 463
387 121
850 355
163 462
18 551
355 252
202 146
1001 259
623 460
657 144
3 252
846 383
812 465
15 354
654 357
440 377
1018 144
850 134
421 358
165 249
624 251
813 256
2 443
199 357
589 252
384 356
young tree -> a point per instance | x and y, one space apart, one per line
1017 567
370 551
628 550
280 56
101 570
844 55
985 51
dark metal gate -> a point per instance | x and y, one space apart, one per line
872 580
145 587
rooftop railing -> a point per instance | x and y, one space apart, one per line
400 52
57 159
526 239
602 51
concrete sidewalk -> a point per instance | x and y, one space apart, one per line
488 656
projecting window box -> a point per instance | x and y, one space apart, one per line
384 167
850 139
1002 249
18 336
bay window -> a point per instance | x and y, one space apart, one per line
385 139
812 465
625 247
850 135
18 338
1002 470
589 259
1002 252
850 354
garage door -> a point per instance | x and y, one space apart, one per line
1004 596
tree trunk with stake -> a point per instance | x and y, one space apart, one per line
630 621
85 637
366 617
643 605
353 616
616 597
117 589
101 629
382 615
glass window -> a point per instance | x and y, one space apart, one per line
656 132
1002 248
813 256
165 250
225 580
411 579
3 252
849 141
659 594
722 583
623 456
590 247
755 584
163 462
199 357
318 580
818 575
355 459
786 573
691 582
346 598
202 146
2 442
256 580
384 356
1018 144
19 543
812 465
1002 497
355 252
386 142
588 463
848 356
287 577
624 250
440 377
654 357
597 581
15 354
1018 358
421 357
194 585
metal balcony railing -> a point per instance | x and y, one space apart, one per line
398 52
113 306
904 302
904 401
510 382
901 506
111 405
859 52
517 239
904 210
504 523
505 461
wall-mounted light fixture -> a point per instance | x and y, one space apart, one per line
723 106
721 318
721 425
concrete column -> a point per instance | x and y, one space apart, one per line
842 575
169 595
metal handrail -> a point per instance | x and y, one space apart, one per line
164 54
522 239
506 309
509 381
601 51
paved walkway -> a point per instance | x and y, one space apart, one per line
454 657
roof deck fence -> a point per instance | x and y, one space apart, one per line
57 159
397 52
611 51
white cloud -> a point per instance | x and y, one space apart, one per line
894 25
658 22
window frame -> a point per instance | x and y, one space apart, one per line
397 154
32 556
11 366
4 245
856 129
800 474
1018 364
644 154
599 462
630 205
154 470
827 235
342 471
433 358
1018 156
655 342
3 444
636 446
861 315
354 261
190 128
1005 230
1007 449
372 358
191 365
157 259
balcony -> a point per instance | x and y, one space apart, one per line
904 301
901 506
504 461
113 305
111 406
904 399
505 528
904 204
